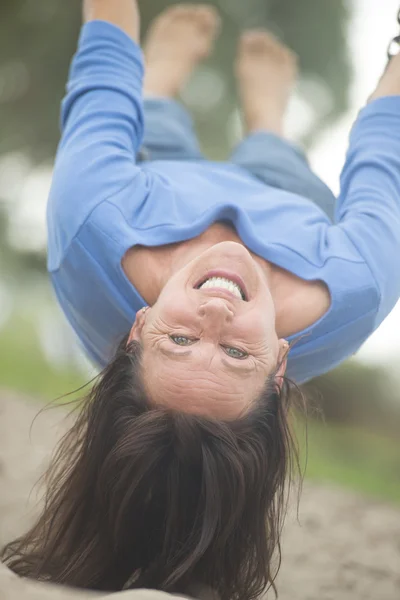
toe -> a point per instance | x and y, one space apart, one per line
179 10
208 18
262 42
257 40
175 13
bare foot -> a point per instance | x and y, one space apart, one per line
267 72
389 84
178 40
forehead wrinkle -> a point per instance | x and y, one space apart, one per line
205 393
182 386
200 394
193 376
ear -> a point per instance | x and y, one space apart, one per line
135 334
282 362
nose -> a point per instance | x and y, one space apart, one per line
216 312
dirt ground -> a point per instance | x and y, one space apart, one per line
345 548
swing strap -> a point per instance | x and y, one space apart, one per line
394 46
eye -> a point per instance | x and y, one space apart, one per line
181 340
235 352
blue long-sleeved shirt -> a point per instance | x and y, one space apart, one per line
102 203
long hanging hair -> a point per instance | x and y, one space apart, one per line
138 495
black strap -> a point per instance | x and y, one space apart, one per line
394 46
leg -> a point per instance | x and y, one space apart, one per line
178 40
169 132
266 72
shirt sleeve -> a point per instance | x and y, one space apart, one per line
102 130
368 208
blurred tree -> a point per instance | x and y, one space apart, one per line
38 38
357 394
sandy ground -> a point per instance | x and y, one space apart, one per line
345 548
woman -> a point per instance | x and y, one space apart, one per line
124 236
174 474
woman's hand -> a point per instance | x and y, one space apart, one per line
122 13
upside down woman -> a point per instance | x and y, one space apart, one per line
174 473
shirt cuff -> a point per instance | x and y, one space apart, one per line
108 32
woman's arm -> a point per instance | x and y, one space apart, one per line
102 122
368 208
122 13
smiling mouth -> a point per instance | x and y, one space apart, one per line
223 283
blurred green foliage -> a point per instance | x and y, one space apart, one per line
355 458
358 395
25 368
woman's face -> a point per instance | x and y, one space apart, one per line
209 345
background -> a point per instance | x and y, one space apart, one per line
342 48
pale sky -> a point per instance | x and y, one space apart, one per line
373 26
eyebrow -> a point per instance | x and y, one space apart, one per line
177 355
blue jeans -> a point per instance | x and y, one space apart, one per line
169 135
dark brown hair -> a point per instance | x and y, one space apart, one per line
142 496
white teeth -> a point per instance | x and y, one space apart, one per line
226 284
